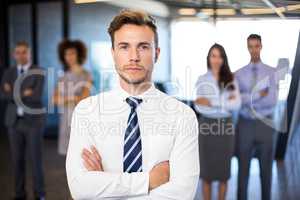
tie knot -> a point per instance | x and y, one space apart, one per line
22 71
133 102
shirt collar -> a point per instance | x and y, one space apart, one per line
25 67
252 64
209 72
210 75
145 96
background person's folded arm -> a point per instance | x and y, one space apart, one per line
271 98
86 184
6 95
204 97
246 96
184 163
234 103
37 89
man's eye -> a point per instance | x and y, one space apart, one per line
144 47
124 47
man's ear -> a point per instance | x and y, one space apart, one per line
157 53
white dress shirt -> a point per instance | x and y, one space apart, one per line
221 105
25 67
169 131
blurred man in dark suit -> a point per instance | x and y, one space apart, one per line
22 87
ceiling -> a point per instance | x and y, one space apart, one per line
234 8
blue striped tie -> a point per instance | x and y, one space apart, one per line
132 156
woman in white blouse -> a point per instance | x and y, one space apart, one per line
217 98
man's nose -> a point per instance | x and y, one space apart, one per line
134 55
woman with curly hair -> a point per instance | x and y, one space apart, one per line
72 87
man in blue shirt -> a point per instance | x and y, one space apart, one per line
255 135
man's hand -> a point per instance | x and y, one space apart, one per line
232 97
92 159
7 87
159 175
264 92
203 101
71 100
27 92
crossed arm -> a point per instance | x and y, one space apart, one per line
6 87
231 103
30 94
58 99
173 179
262 98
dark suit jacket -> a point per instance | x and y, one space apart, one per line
34 82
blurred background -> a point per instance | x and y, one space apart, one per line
187 29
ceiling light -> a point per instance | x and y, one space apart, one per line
187 11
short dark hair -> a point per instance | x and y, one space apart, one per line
23 44
254 36
132 17
78 45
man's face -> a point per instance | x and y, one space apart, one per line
22 54
254 48
134 53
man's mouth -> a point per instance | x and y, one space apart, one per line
133 68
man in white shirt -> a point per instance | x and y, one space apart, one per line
133 142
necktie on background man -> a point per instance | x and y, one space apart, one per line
132 156
254 77
20 111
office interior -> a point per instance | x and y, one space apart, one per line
186 29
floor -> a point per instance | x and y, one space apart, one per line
286 174
285 182
55 176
